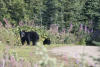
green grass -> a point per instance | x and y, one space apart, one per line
25 51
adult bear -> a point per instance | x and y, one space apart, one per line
47 41
28 37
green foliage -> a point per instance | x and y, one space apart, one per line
70 38
3 10
38 52
12 58
54 38
81 42
7 37
91 11
96 43
43 33
40 30
47 12
66 38
45 58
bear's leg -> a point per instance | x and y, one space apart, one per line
22 41
33 43
28 42
43 42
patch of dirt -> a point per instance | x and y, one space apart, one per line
88 54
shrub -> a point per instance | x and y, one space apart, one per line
96 43
46 60
44 33
81 42
7 36
70 38
40 30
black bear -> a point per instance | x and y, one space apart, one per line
47 41
29 36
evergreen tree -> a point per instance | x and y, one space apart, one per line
92 12
51 12
3 10
14 10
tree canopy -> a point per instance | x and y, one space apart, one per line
47 12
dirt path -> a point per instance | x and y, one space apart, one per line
90 54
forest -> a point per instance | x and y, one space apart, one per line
83 14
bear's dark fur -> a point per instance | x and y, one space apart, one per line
47 41
29 36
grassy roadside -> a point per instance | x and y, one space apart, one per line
29 53
26 51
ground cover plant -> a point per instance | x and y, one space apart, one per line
34 56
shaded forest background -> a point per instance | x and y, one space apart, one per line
63 13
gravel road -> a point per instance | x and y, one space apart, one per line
90 54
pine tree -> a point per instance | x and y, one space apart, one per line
92 12
15 11
51 13
3 10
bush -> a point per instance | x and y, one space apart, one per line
57 38
81 42
64 38
54 38
83 37
96 43
40 30
7 36
70 38
46 60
